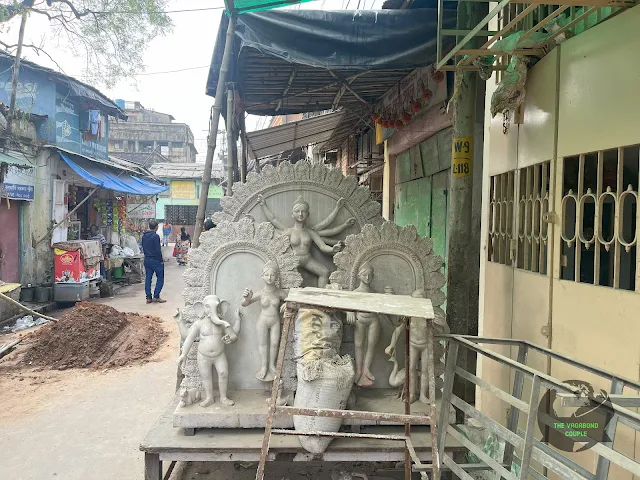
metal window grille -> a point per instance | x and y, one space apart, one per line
533 209
181 214
599 218
501 210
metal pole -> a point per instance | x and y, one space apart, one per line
245 153
459 310
408 390
215 119
230 141
435 455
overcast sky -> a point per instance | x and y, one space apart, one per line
187 49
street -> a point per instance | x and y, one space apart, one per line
87 425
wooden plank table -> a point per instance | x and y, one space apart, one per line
164 442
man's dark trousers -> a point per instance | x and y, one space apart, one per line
152 266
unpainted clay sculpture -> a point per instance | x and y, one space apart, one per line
367 331
418 349
302 237
268 323
214 334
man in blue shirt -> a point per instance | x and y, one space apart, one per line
153 262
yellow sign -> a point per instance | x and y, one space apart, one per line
462 156
183 189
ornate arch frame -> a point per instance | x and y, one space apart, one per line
313 177
389 239
215 246
228 237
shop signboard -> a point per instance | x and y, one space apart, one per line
18 183
140 206
183 189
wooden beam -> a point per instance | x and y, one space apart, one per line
347 84
544 21
286 89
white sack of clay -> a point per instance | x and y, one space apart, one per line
325 378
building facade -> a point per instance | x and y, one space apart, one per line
149 137
179 204
559 262
57 169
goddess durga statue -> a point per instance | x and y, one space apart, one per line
301 237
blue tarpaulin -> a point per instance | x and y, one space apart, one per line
120 182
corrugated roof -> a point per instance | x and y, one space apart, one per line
178 170
78 89
315 130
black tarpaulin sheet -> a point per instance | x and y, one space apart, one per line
335 40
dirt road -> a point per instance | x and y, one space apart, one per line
88 424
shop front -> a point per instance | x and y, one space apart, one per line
18 191
101 203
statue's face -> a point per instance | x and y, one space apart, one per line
269 275
300 212
211 305
366 275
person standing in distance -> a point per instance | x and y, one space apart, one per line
166 231
153 262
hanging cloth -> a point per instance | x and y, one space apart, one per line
94 122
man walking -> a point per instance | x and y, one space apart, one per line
153 262
166 231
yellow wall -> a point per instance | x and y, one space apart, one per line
584 95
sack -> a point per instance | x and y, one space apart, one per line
325 378
316 335
175 251
325 385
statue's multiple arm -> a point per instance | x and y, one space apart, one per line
330 232
331 217
324 248
269 214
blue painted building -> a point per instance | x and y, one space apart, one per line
58 156
70 114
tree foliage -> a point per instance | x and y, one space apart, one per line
109 35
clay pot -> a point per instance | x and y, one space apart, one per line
406 117
438 76
427 95
416 106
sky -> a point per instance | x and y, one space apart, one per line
176 65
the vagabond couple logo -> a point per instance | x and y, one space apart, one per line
581 426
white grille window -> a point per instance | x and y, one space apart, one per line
501 210
533 205
599 218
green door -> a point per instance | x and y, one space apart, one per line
423 202
440 217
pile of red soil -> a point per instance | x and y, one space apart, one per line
92 335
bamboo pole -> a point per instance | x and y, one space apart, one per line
215 120
8 299
14 79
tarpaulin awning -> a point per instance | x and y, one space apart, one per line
312 60
100 175
274 140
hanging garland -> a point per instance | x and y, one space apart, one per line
401 114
